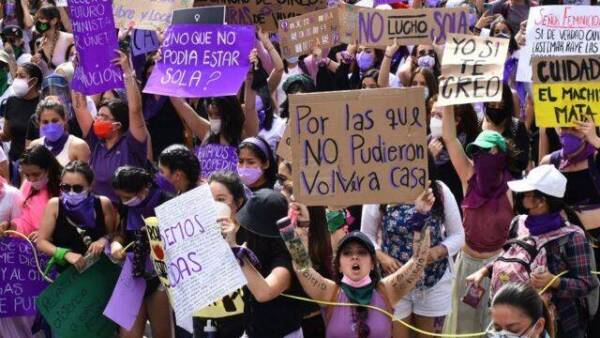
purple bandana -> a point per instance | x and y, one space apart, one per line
136 215
541 224
83 213
586 152
57 146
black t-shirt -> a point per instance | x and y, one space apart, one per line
282 315
18 113
165 128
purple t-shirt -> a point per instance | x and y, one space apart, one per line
127 151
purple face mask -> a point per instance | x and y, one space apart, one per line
570 143
249 176
365 60
52 131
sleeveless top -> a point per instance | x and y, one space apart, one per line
341 323
398 240
487 227
63 156
60 51
66 235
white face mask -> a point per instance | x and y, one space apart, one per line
435 125
508 334
20 87
215 125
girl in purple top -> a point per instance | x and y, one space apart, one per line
359 281
118 135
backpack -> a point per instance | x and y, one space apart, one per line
523 256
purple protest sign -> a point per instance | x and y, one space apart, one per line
95 40
20 281
143 41
128 291
215 157
202 60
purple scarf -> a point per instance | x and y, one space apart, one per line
57 146
541 224
152 106
582 155
83 214
136 215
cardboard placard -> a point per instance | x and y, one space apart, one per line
558 31
146 14
300 34
473 69
212 14
359 147
264 13
379 27
202 60
566 89
95 40
20 281
284 148
74 303
157 252
201 265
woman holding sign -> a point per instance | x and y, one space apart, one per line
358 280
118 135
487 214
139 196
75 225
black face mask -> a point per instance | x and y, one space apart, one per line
495 115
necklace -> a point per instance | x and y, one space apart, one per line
52 46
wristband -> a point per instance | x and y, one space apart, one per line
59 256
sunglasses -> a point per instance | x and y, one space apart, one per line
76 188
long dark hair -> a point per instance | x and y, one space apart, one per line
232 182
360 314
132 179
232 119
556 204
468 123
41 157
436 68
438 206
512 43
525 298
319 242
430 80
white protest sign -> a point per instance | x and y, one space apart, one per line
472 69
201 266
559 30
61 3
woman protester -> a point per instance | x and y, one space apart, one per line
256 165
52 46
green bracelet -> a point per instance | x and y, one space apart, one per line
59 256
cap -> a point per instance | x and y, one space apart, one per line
262 211
12 30
487 139
545 178
306 81
356 236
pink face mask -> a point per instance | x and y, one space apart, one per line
365 281
249 176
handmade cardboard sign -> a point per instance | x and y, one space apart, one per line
74 303
96 42
359 147
473 69
379 27
20 281
300 34
284 148
202 60
200 264
566 89
264 13
558 31
146 14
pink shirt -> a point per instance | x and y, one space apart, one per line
32 209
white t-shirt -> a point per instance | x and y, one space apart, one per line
10 203
275 134
280 93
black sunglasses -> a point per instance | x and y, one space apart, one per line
423 52
77 188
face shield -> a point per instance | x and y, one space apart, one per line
56 85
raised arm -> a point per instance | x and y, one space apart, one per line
277 71
251 123
458 157
83 115
398 284
27 18
137 124
316 286
199 125
383 80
